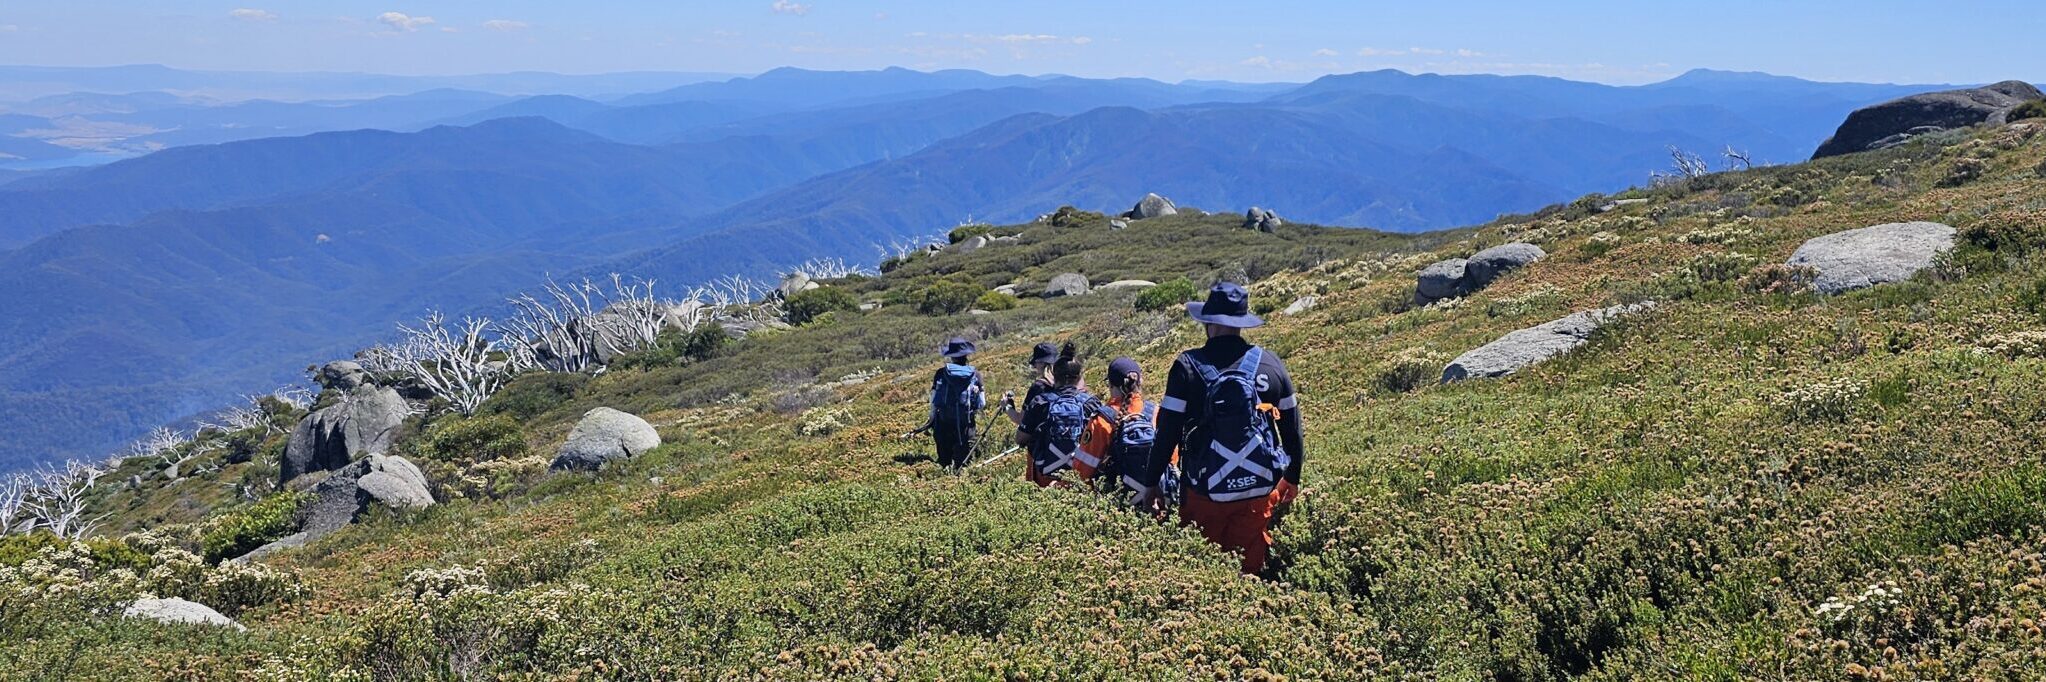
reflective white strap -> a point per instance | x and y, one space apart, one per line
1234 460
1134 485
1241 494
1289 402
1171 404
1062 462
1087 459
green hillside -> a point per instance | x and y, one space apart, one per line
1749 481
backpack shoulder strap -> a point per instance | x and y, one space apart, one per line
1248 364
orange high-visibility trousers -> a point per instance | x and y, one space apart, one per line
1242 527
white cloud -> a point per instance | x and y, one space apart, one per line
251 14
1469 53
9 28
1024 38
1324 52
1260 61
505 25
790 7
1082 40
400 21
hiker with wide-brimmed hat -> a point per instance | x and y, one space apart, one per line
956 399
1231 413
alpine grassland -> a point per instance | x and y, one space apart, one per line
1749 481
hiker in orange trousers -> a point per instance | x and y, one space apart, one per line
1231 411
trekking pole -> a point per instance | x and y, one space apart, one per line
991 460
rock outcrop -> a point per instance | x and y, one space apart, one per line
1128 284
1521 349
1151 206
178 611
970 244
346 494
1893 122
1069 284
1460 276
1856 259
342 375
1301 305
1262 220
605 434
365 420
794 283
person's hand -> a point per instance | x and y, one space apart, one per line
1146 499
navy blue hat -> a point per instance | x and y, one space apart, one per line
1120 369
959 348
1044 354
1228 305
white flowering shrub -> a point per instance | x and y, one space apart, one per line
2029 343
1832 400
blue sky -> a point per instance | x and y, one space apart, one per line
1602 40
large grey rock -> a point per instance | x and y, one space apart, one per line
294 540
365 420
1151 206
1872 127
605 434
350 491
1487 265
1008 289
1262 220
1862 258
1443 279
179 611
792 284
970 244
1301 305
1518 350
1069 284
1118 224
342 375
1129 284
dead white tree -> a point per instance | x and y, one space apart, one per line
826 268
295 397
455 364
57 500
634 318
1737 159
904 248
157 444
13 492
555 333
743 298
1686 164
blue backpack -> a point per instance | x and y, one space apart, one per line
1235 454
1057 438
1130 446
952 396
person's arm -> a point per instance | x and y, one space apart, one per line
979 395
1171 420
937 384
1032 414
1282 394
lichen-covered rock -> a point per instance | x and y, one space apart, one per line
366 420
178 611
1443 279
1889 123
1485 266
1301 305
345 494
1862 258
1151 206
605 434
1521 349
1069 284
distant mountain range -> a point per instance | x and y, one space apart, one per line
153 288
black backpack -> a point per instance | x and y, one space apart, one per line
1130 445
1235 454
952 394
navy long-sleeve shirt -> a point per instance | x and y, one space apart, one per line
1186 395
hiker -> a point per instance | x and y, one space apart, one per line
1042 357
1121 431
956 398
1230 410
1054 422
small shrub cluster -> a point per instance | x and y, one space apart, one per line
2012 231
1067 216
474 439
949 296
237 532
808 306
1540 299
1963 171
74 574
820 422
1716 235
2033 109
2029 343
1168 294
531 394
995 301
1602 243
969 231
1831 400
1410 369
1777 278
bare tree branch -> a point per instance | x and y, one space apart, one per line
1737 159
457 364
57 499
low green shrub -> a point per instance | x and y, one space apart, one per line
237 532
806 306
965 232
1410 369
474 439
1166 295
995 300
529 395
2033 109
947 297
2015 231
